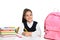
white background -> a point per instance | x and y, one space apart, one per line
11 11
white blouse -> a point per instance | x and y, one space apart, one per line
35 33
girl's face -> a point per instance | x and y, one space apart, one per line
28 16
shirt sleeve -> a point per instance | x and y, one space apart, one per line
37 32
21 29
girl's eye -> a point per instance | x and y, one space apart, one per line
30 14
26 15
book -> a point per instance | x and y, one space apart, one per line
9 30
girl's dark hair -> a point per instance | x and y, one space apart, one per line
24 12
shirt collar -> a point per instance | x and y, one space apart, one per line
30 24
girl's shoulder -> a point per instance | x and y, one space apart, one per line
21 25
35 21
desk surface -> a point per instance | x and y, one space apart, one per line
10 37
14 37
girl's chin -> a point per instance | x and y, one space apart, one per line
30 21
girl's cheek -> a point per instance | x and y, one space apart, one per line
26 18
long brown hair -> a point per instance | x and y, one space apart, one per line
24 12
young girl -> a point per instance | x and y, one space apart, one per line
29 27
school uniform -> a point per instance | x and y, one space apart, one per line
30 27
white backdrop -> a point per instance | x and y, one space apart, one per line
11 11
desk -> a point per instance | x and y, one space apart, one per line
18 38
10 37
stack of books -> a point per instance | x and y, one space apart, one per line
9 31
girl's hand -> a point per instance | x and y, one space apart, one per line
27 33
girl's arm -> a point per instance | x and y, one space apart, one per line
37 32
21 29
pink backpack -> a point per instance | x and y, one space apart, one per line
52 26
